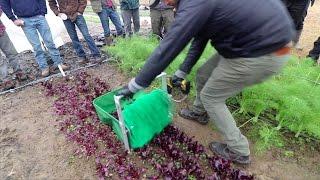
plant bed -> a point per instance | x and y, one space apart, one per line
277 107
172 154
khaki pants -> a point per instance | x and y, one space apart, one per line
220 78
161 20
10 52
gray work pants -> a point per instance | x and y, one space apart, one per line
127 15
161 19
220 78
10 52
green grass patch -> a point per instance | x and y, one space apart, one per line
286 102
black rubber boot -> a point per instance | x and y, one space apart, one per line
201 118
222 150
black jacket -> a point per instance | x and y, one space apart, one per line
236 28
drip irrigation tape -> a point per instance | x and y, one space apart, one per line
49 77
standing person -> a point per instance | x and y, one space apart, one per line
130 10
108 9
30 16
71 12
298 12
247 55
8 49
162 16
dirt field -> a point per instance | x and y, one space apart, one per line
32 148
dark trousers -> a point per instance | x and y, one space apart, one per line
161 20
298 11
314 53
82 25
127 15
104 16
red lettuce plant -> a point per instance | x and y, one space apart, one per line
173 154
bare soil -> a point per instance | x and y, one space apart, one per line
32 148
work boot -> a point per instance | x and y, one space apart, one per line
20 75
45 72
83 60
222 150
201 118
109 41
9 84
55 68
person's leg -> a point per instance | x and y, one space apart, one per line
115 18
71 29
298 11
229 78
168 18
9 51
46 35
3 66
126 16
30 30
104 22
82 25
315 51
203 74
197 112
156 22
136 20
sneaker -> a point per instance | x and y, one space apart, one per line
201 118
45 72
20 75
222 150
83 60
6 85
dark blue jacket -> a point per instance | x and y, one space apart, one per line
23 8
236 28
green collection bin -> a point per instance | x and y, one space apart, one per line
142 123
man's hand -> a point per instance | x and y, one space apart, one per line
63 16
125 92
18 22
176 81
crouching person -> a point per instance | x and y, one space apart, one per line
251 38
106 9
30 16
71 12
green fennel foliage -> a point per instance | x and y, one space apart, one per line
291 97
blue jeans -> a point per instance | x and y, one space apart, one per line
32 26
104 16
82 25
